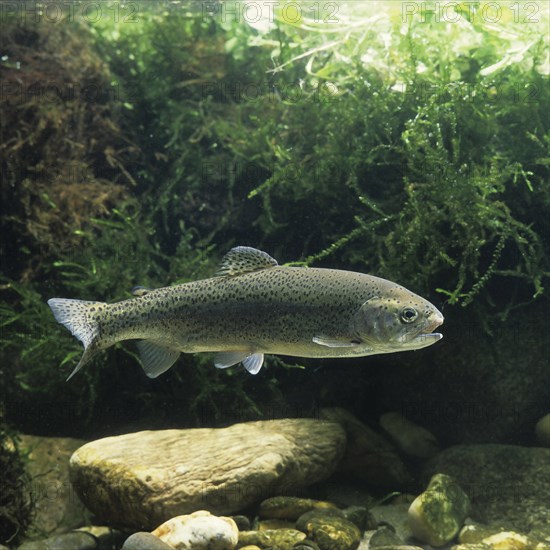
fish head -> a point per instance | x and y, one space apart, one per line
398 322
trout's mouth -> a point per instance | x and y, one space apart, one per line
426 336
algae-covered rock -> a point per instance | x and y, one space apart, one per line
508 485
282 539
283 507
141 479
330 530
269 524
437 515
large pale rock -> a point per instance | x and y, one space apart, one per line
141 479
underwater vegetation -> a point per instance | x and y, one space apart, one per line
373 145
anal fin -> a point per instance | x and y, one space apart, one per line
252 361
156 358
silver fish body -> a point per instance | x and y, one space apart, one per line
255 307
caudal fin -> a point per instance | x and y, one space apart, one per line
77 316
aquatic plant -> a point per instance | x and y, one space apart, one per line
63 152
399 137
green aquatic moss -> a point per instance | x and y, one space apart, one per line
427 158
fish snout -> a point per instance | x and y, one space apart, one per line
434 320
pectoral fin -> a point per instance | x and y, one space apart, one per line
252 361
334 342
156 358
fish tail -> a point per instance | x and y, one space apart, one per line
80 317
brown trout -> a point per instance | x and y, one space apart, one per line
254 307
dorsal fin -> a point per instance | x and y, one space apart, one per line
140 290
244 259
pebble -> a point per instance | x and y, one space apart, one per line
145 541
329 530
107 537
507 540
476 532
305 545
394 515
242 522
358 515
291 507
478 536
436 516
471 546
74 540
197 531
382 537
269 524
276 538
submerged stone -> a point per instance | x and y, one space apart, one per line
75 540
329 530
283 507
199 531
509 485
141 479
145 541
282 539
437 515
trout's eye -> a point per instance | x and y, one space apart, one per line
409 314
